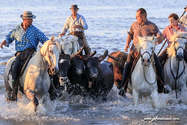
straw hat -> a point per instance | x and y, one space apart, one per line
74 7
27 15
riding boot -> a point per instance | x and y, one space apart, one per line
160 81
14 90
124 83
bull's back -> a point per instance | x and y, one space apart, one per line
106 75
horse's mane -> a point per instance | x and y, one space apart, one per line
171 49
145 39
50 41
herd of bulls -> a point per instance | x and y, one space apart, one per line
88 76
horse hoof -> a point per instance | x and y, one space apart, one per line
35 101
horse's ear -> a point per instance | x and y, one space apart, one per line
52 39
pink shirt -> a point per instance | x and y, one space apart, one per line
169 31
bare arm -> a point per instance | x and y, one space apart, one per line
160 37
3 43
127 43
62 34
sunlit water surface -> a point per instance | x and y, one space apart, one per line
108 23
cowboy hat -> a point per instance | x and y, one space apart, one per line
27 15
185 7
74 7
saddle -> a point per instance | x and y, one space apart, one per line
79 35
136 55
25 57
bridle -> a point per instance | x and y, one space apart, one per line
51 71
152 62
179 46
177 75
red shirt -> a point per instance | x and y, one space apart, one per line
168 32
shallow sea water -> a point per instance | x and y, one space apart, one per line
108 23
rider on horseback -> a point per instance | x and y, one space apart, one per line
168 32
76 24
26 38
142 27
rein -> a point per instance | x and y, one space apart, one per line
177 76
152 62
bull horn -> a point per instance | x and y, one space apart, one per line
75 54
93 53
102 57
62 51
105 53
114 58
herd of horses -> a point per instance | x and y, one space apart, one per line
93 76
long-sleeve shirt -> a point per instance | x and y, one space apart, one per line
70 22
25 39
168 32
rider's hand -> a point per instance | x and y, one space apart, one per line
60 35
3 43
126 48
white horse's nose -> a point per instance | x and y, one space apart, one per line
146 61
179 57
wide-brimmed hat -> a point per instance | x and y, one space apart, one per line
185 7
27 15
74 7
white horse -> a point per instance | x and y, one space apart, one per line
175 68
35 80
70 44
143 78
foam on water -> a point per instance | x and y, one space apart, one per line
108 23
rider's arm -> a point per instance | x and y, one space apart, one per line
160 37
128 42
3 43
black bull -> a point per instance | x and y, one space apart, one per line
89 76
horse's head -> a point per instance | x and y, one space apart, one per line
146 48
69 44
178 45
51 51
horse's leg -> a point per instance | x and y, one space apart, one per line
154 99
31 96
182 93
135 97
